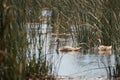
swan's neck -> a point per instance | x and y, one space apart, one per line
98 42
57 47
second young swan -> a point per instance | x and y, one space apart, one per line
103 47
66 48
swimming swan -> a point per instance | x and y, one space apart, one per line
66 48
103 47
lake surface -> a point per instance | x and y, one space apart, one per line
81 66
73 65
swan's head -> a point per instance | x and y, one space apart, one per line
98 42
57 40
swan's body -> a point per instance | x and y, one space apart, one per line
66 48
103 47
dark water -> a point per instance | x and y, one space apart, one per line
73 65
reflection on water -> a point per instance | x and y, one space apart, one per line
83 66
75 65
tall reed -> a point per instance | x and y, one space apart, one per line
16 62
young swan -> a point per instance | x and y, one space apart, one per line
66 48
103 47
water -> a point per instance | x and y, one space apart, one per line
74 65
82 66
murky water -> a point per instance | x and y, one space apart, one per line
74 65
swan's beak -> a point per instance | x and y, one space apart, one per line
57 40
